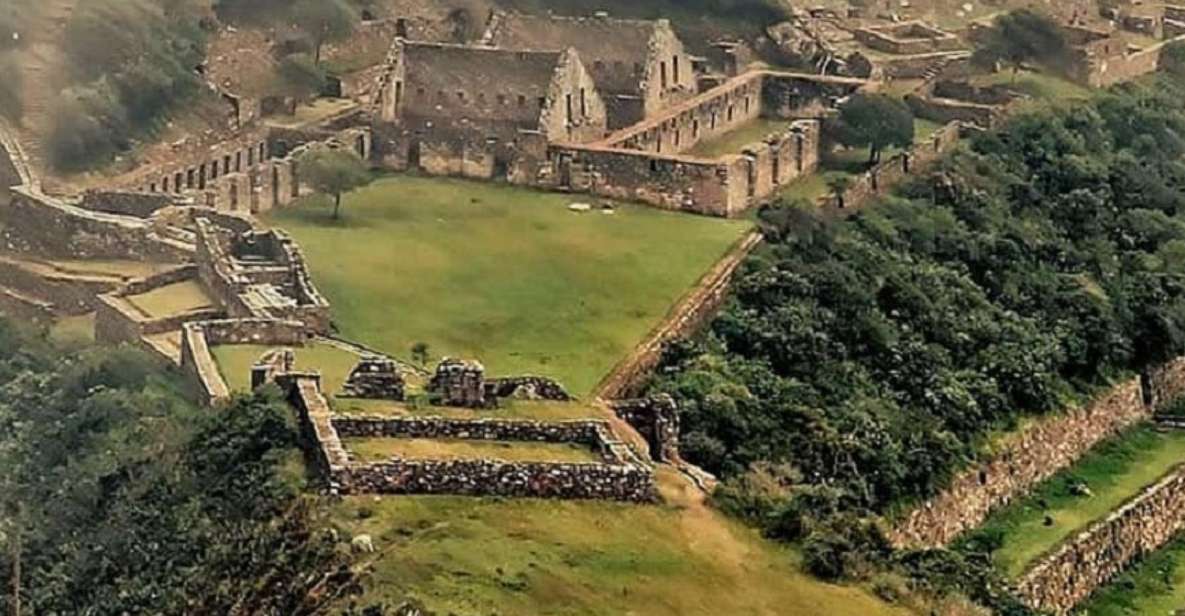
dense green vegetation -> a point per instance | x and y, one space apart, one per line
121 498
131 61
860 363
1071 500
503 274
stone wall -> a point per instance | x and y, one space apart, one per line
907 38
531 387
500 478
1033 454
656 418
126 203
198 337
688 316
1073 571
39 224
1100 71
885 176
65 292
620 477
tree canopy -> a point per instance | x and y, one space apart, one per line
859 364
324 21
875 121
1020 36
121 498
334 173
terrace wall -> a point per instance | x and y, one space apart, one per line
1100 71
688 316
197 338
885 176
1034 454
1077 568
43 225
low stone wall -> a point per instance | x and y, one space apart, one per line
197 338
1079 567
126 203
39 224
1034 454
946 110
539 387
499 478
1101 72
591 433
620 477
687 317
885 176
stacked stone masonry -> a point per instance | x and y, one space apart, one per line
1032 455
1077 568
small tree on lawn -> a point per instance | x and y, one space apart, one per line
419 353
324 21
334 172
839 185
1020 36
876 121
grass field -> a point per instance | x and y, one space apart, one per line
1114 472
172 299
334 364
506 275
732 141
379 449
1040 86
530 557
74 330
509 409
1155 586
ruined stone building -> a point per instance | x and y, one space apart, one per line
640 67
484 112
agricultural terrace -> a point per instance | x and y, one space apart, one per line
379 449
503 274
1111 474
461 555
1156 585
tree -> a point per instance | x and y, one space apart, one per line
419 353
876 121
839 185
324 21
1020 36
334 172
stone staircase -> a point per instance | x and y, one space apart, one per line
938 66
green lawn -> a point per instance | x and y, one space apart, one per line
1114 472
731 142
1155 586
74 330
531 557
506 275
1040 86
334 364
380 449
172 299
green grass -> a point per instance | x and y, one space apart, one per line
74 330
172 299
509 409
334 364
1114 471
380 449
732 141
1040 86
1154 586
531 557
924 129
502 274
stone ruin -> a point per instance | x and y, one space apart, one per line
375 378
459 382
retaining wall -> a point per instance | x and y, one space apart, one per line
1076 569
1032 455
687 317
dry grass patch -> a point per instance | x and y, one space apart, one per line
380 449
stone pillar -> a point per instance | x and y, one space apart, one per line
459 383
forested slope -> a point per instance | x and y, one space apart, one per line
860 363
